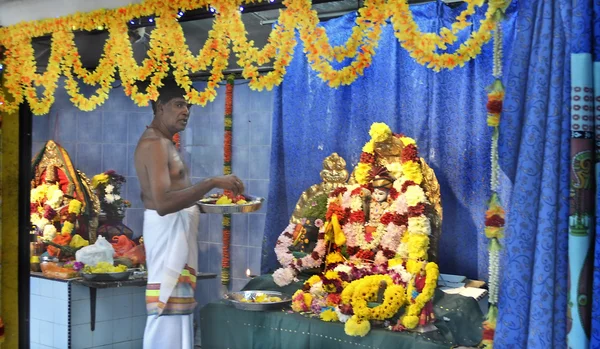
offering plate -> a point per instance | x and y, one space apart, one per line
236 298
122 276
208 205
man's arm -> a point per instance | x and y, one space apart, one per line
168 201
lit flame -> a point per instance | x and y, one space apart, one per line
247 273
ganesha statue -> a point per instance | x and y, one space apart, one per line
373 249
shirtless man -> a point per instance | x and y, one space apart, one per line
171 222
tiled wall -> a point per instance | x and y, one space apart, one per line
105 139
120 316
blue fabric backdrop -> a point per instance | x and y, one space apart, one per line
445 112
534 153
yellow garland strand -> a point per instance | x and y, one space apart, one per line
168 49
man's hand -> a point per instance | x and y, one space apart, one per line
230 182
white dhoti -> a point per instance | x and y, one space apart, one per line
171 248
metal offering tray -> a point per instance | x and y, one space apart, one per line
208 205
235 298
122 276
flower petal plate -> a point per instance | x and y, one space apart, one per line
235 299
208 206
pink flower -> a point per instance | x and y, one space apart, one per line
319 222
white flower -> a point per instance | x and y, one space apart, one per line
117 197
419 225
49 232
109 198
395 169
342 317
402 250
343 268
283 276
356 204
109 189
317 289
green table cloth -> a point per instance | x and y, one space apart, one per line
223 326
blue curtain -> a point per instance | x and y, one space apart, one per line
534 153
445 112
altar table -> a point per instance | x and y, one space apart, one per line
458 321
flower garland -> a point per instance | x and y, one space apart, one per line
168 49
495 215
225 267
291 265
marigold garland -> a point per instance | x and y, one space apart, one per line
225 266
169 50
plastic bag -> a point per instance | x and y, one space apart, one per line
101 251
136 254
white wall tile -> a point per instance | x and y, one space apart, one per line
79 292
34 285
138 304
123 345
121 330
45 309
81 336
80 312
102 334
34 330
61 312
35 304
46 333
122 307
137 344
104 309
138 325
60 290
61 336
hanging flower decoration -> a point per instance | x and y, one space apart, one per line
168 49
225 266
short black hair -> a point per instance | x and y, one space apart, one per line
169 90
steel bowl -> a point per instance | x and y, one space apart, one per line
122 276
235 298
208 206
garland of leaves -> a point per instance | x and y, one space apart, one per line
494 216
225 267
168 49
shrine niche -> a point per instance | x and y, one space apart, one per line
376 245
54 175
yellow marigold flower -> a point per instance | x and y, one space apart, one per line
99 179
369 147
419 225
380 132
313 280
394 261
493 119
329 315
67 228
410 321
407 141
357 327
307 299
413 266
412 171
75 206
494 232
332 275
334 257
361 173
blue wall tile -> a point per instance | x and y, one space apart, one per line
260 128
259 159
133 192
130 161
41 128
114 157
254 258
259 188
135 220
203 260
203 228
63 126
215 255
71 149
136 125
89 126
239 261
89 158
114 124
215 228
256 228
239 161
207 161
239 229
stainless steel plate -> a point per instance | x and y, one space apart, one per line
207 206
122 276
235 298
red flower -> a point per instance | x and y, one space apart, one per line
410 153
49 213
389 254
33 208
494 106
338 191
367 158
346 309
357 217
299 262
400 219
494 221
351 250
315 255
365 254
415 211
335 209
334 298
110 172
321 236
387 218
357 191
393 193
407 184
